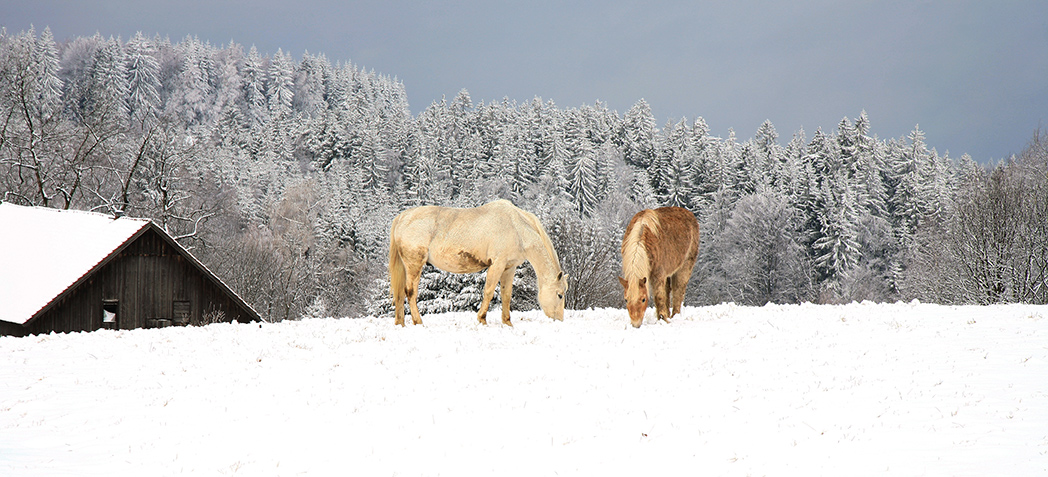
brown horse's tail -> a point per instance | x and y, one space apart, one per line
397 276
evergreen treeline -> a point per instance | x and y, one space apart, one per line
283 175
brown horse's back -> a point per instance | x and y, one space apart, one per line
679 239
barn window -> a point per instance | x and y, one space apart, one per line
181 312
109 314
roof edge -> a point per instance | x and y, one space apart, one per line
79 281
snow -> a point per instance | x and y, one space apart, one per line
53 249
859 389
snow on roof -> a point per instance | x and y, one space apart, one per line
45 251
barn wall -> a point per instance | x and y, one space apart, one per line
11 329
146 279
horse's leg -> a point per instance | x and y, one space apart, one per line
670 296
416 317
507 292
681 278
413 264
661 290
492 279
679 287
397 282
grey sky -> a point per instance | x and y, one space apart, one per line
972 74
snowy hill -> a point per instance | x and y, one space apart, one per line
901 389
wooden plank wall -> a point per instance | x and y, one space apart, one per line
146 278
11 329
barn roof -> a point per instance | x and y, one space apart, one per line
45 251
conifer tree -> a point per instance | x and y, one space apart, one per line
911 202
107 94
254 85
229 86
639 133
870 168
580 165
312 77
836 248
280 85
143 74
47 68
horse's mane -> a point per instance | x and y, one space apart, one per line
640 237
551 252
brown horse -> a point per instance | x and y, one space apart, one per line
659 250
496 236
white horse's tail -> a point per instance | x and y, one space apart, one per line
397 276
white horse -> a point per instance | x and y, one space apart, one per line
496 236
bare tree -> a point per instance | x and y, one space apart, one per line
994 246
758 257
589 254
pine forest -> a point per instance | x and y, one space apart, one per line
282 175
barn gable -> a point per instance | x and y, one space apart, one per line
79 271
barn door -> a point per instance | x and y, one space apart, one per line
182 312
110 314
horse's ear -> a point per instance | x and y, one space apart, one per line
643 281
624 283
559 275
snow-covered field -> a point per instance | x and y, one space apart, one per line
901 389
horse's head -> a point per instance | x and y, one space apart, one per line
636 294
551 297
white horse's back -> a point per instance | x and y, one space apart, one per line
462 240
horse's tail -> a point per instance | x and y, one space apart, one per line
397 276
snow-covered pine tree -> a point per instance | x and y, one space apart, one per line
870 168
311 78
766 140
911 202
791 176
229 86
581 165
514 159
485 126
702 151
541 130
836 248
77 60
280 84
675 166
728 165
254 89
48 85
813 176
193 100
143 74
638 131
107 93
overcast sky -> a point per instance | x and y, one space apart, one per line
972 74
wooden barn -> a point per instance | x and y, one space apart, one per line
66 271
